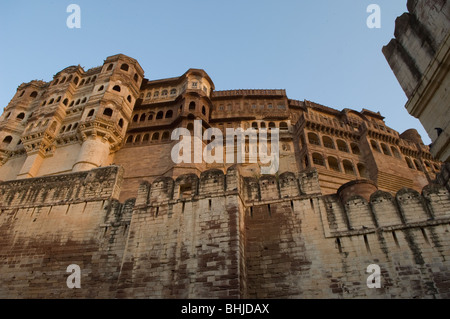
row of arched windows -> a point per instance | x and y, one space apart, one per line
79 101
160 115
332 163
70 127
146 138
328 142
63 80
83 81
392 151
164 93
281 126
415 164
270 106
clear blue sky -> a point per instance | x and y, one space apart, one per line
318 50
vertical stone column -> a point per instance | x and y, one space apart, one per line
94 153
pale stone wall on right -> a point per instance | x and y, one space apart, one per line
419 56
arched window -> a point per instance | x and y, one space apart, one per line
428 166
156 94
101 88
418 166
77 102
165 136
333 164
283 126
192 106
313 139
76 80
69 78
108 112
342 146
21 94
169 114
84 100
34 94
56 82
69 128
58 99
328 142
88 81
62 129
66 101
91 113
120 123
7 140
72 103
150 117
355 149
75 126
318 159
136 78
124 67
110 67
130 139
135 118
173 91
93 79
129 98
160 115
362 170
203 110
116 88
155 136
410 164
51 101
375 146
385 149
348 167
21 116
164 93
82 82
395 152
137 139
263 124
63 80
272 125
43 103
146 138
143 117
255 125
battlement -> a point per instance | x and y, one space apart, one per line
231 93
360 213
97 184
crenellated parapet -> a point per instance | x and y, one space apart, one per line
188 187
355 214
94 185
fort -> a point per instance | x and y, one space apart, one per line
87 179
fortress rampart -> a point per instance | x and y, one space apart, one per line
221 236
